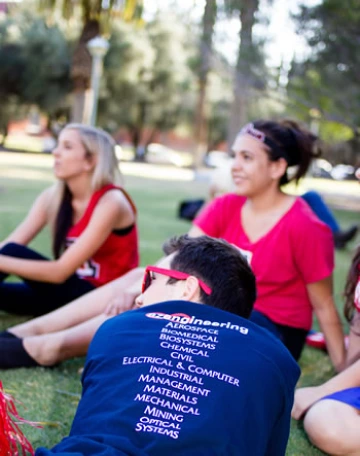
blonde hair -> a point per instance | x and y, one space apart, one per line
97 143
100 144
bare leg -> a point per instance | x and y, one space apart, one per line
82 309
333 427
49 349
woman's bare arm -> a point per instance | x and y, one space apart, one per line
107 213
306 397
33 223
320 294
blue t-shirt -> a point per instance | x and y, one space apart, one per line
181 378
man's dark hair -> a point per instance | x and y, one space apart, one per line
221 266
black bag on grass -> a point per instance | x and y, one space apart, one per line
189 208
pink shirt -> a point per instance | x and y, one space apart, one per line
297 251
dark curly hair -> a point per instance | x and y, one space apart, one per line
294 143
350 285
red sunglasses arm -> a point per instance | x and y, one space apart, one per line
177 275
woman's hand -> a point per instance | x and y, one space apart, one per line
125 290
121 303
304 399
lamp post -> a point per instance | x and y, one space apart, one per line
97 47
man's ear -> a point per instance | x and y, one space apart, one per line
192 289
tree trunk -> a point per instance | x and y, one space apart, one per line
150 139
205 66
135 136
243 77
4 130
81 70
137 132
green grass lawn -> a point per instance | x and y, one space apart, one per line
51 395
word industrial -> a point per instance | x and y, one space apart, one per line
198 371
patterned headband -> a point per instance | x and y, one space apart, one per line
249 129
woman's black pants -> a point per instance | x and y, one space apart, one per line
32 297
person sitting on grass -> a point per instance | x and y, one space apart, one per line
93 220
289 249
277 232
331 410
221 183
184 373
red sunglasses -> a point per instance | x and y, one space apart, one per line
169 273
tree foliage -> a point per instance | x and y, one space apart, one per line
329 79
250 71
203 70
34 66
96 18
146 75
94 10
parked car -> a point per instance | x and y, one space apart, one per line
158 153
49 144
321 168
217 159
343 172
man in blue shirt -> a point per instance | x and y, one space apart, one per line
186 373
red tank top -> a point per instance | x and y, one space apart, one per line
117 255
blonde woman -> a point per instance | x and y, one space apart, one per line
93 222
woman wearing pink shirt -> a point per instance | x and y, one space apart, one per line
289 249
